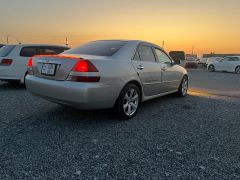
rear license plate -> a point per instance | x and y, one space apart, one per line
48 69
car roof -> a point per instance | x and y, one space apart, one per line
48 45
133 41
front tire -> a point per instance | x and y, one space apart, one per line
237 69
211 68
183 88
128 102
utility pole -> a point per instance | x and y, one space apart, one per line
66 41
163 43
7 39
192 49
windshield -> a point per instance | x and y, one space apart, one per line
6 50
98 48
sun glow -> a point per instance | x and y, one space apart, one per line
208 26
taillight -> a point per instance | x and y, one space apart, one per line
82 67
6 62
29 65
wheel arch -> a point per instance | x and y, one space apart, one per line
184 75
135 82
138 84
23 78
236 68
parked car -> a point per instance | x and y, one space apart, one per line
14 58
191 62
203 61
178 57
213 59
229 64
106 74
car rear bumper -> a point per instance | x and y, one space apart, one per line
79 95
7 73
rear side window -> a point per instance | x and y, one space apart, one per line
146 53
136 56
51 50
6 50
233 59
162 57
98 48
28 51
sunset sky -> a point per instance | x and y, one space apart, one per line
208 25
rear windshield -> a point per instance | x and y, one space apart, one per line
41 50
6 50
98 48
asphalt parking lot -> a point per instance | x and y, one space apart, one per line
196 137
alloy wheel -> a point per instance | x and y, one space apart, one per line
238 70
130 102
184 86
211 68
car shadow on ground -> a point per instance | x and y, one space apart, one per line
11 86
72 116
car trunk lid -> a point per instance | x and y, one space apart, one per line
53 67
59 67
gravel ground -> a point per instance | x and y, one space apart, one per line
196 137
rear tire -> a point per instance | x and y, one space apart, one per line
128 102
183 88
211 68
237 69
24 79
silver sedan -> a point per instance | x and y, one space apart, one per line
107 74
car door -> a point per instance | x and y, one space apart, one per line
232 64
222 65
171 77
148 69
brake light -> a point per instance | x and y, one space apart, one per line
29 64
6 62
84 66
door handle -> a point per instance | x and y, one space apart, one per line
140 67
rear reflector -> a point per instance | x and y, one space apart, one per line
84 66
6 62
85 78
